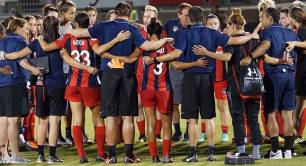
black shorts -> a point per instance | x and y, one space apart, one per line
198 96
280 94
119 94
49 101
14 101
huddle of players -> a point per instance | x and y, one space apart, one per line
119 51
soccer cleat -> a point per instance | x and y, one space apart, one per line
158 138
41 159
186 137
167 159
288 154
303 143
266 140
83 160
101 158
211 158
176 136
111 160
277 155
202 137
131 159
54 159
62 141
191 158
142 138
298 140
69 141
155 159
17 160
224 137
86 140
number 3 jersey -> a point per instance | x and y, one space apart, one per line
156 76
80 49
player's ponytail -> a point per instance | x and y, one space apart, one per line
50 28
155 28
299 15
237 19
49 8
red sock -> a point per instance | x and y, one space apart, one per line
158 127
302 124
224 129
78 140
263 120
152 149
203 127
166 147
100 139
141 127
280 124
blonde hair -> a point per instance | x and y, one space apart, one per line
265 4
237 19
151 8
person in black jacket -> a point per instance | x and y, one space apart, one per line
238 105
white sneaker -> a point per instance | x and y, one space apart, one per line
5 159
277 155
18 160
288 154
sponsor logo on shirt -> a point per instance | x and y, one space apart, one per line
78 42
175 28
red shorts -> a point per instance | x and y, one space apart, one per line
89 96
220 90
161 100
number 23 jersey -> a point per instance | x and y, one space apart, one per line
156 76
80 49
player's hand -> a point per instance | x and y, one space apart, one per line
168 40
148 60
245 61
290 46
6 70
92 70
37 71
202 62
2 55
115 63
123 35
255 36
199 50
289 61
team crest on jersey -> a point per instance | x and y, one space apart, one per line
175 28
78 42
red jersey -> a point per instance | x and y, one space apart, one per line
156 76
219 66
81 50
139 65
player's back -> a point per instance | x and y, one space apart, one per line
81 50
